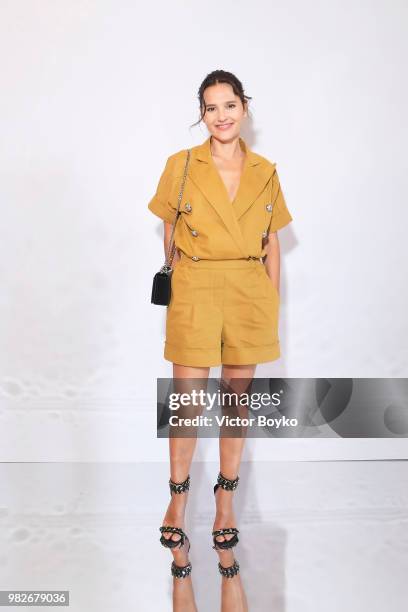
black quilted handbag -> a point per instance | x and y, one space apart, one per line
161 290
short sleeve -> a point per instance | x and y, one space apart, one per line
280 213
160 204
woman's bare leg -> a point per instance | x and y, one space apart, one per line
232 593
181 454
233 598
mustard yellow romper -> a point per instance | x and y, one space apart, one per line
224 308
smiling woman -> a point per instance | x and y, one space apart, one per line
224 306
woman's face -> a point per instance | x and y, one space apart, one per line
224 112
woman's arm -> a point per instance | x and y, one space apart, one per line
272 259
167 235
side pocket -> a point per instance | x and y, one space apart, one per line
271 290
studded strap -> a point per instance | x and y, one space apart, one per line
169 543
227 530
225 544
181 571
226 483
231 571
180 487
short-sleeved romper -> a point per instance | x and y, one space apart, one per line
224 308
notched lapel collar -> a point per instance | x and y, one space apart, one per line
253 181
256 173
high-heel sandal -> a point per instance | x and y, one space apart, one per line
231 571
182 571
227 485
169 542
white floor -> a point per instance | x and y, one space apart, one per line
315 536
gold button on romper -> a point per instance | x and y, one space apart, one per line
224 308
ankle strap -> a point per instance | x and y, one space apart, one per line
231 571
181 571
226 483
179 487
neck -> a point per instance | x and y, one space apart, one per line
226 150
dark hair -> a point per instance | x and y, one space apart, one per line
220 76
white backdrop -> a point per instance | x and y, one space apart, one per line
95 96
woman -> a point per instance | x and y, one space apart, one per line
224 307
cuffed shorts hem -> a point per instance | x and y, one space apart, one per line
194 357
250 355
203 358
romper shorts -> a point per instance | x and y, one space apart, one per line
221 312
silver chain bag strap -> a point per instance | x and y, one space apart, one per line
161 290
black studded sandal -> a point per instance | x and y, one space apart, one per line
169 542
182 571
231 571
227 485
